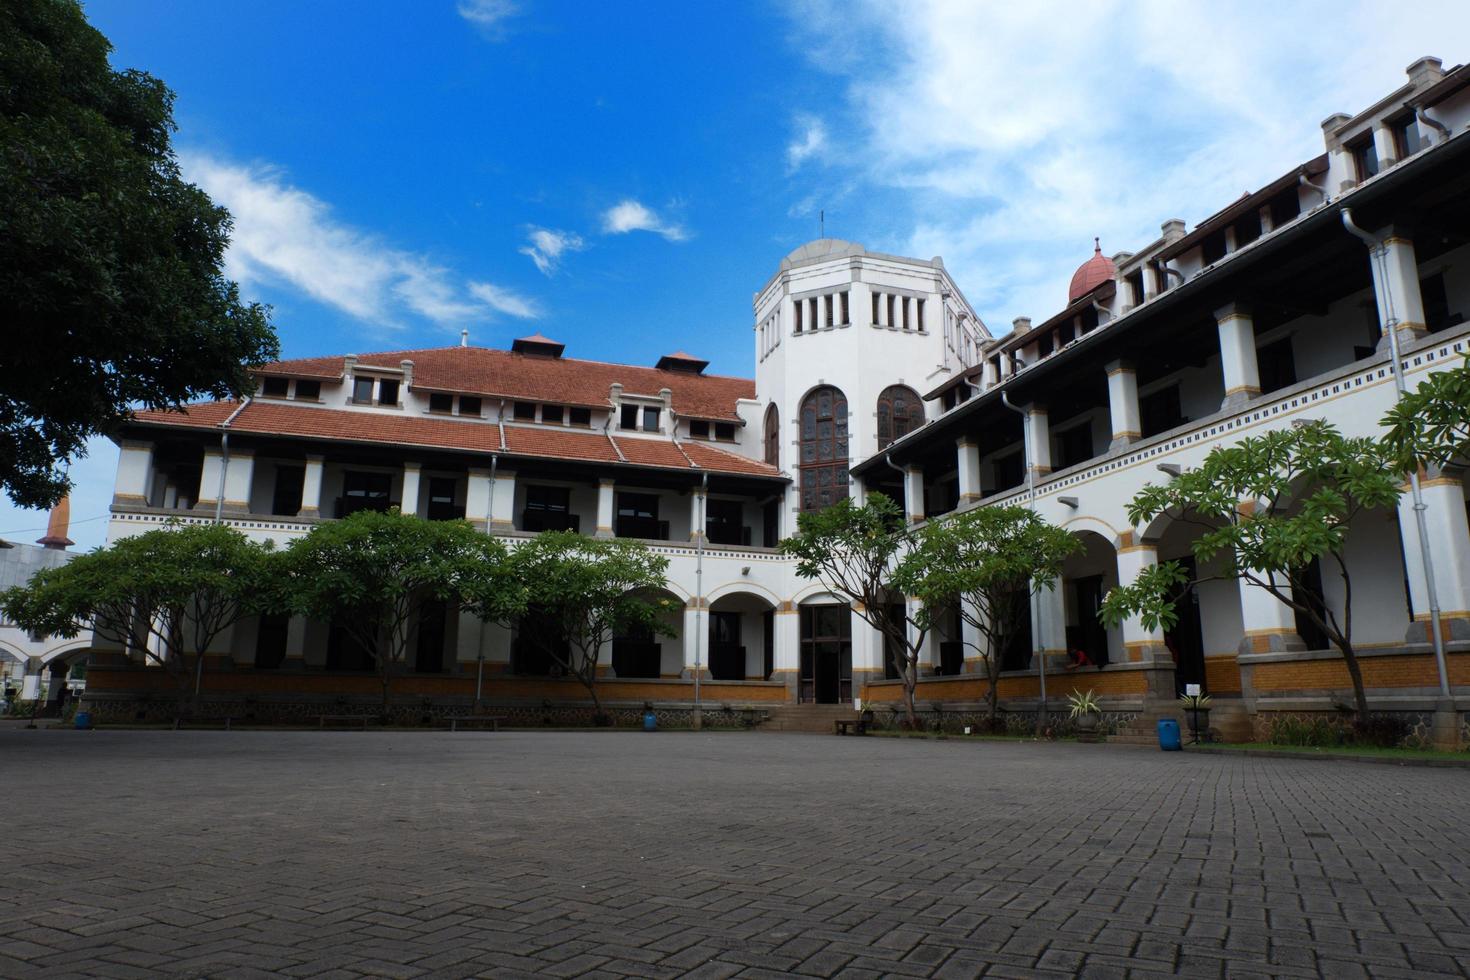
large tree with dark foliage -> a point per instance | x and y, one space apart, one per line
111 291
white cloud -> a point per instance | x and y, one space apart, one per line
629 215
548 245
504 300
811 142
1005 136
489 16
285 236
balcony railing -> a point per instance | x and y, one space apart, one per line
550 520
648 528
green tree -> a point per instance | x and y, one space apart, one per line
372 572
852 551
582 592
981 563
167 594
1430 426
1269 508
111 290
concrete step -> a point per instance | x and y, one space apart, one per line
807 717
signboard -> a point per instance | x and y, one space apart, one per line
1192 690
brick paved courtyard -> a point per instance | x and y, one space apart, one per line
401 855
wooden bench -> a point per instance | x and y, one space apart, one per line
492 720
858 726
321 720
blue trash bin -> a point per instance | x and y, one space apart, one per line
1169 735
83 720
650 721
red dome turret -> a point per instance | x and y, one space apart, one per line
1091 274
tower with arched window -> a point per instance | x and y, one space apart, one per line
847 342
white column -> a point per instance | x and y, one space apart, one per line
969 469
477 498
1139 643
311 488
503 501
1449 553
1038 440
1388 154
883 320
1123 404
788 320
604 508
698 514
824 310
696 638
209 480
787 655
239 474
913 493
1267 224
1268 624
868 657
1406 312
467 640
1238 354
296 641
408 502
134 473
1052 622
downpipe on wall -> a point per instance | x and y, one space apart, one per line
1378 255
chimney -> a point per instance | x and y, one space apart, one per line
464 337
57 526
1426 71
1173 229
1020 325
407 367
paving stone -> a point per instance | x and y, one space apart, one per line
602 855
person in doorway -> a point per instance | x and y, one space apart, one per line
1077 657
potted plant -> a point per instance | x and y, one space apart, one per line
1197 710
1086 714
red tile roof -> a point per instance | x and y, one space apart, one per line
528 377
309 422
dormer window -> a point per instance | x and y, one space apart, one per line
725 431
362 390
274 387
628 417
1407 139
469 405
579 416
1365 157
525 411
387 392
650 419
551 414
308 391
698 429
441 404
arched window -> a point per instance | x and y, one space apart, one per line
773 435
899 413
823 448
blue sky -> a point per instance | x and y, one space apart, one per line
622 177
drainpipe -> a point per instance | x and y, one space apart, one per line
699 599
1164 268
224 461
1379 257
1005 399
1302 180
1422 114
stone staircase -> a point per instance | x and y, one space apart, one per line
813 718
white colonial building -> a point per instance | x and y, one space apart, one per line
873 372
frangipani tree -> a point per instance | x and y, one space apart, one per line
978 562
1430 426
372 572
167 594
585 591
852 550
1269 507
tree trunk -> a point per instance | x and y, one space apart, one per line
992 696
910 683
589 681
1355 671
383 674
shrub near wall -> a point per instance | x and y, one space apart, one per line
1378 730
